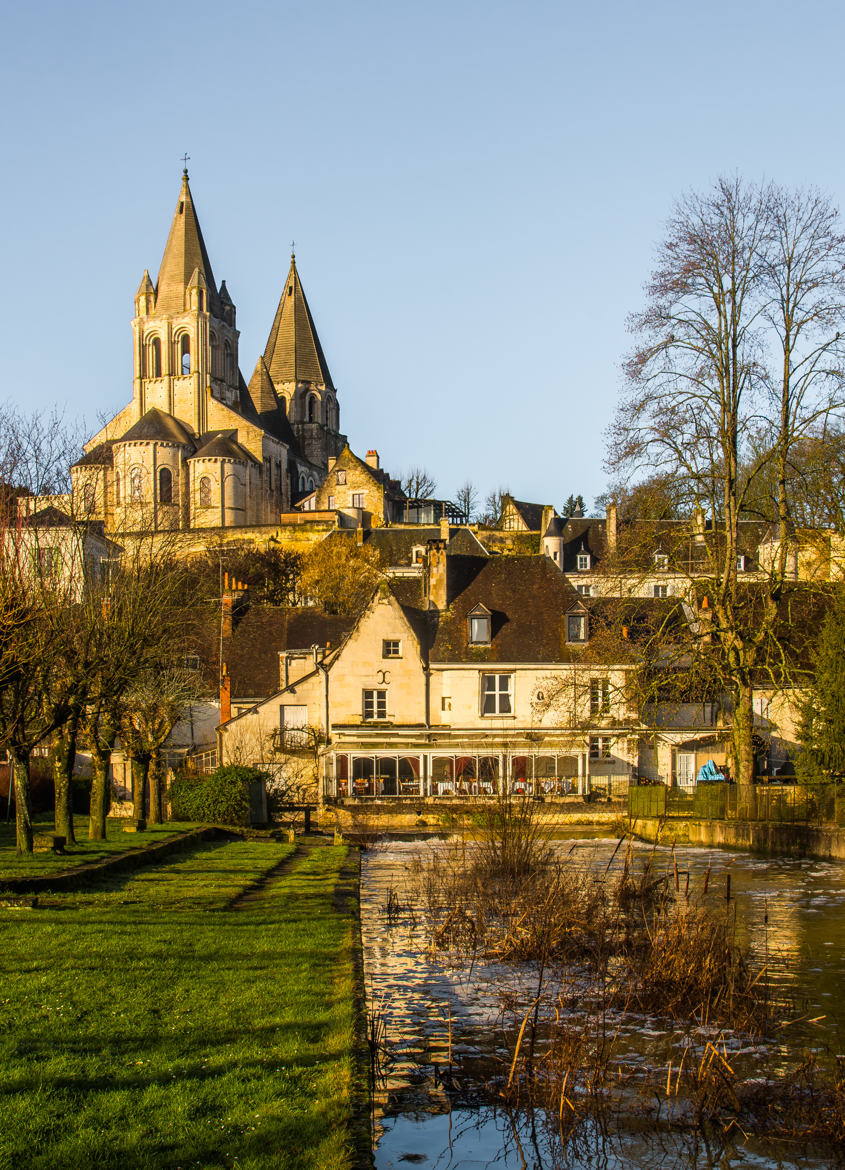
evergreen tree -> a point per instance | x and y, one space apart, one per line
822 726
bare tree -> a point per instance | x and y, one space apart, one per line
418 484
466 499
340 575
740 331
493 504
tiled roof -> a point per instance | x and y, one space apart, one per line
223 445
293 352
184 253
156 425
100 456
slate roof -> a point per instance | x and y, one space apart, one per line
396 545
184 253
532 514
223 445
293 352
260 403
158 426
100 456
252 654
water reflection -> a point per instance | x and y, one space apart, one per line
448 1027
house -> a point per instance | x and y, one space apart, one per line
197 448
62 555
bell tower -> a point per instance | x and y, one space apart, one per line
185 336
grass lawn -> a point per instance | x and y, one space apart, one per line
146 1024
117 841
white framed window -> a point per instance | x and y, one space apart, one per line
417 554
136 485
576 627
340 477
497 694
585 590
391 648
599 696
600 747
741 565
374 704
584 560
357 499
479 626
661 562
293 724
331 503
661 590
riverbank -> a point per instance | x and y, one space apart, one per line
438 814
766 838
202 1011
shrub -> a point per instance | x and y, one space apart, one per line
221 798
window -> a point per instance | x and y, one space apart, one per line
600 747
165 486
293 725
391 648
357 499
340 477
155 358
661 562
583 562
283 405
205 492
201 301
49 561
446 703
117 488
227 361
554 556
576 627
375 704
215 356
278 475
313 408
185 353
496 694
740 564
192 662
585 590
268 473
89 498
599 696
136 485
661 590
417 555
479 626
331 503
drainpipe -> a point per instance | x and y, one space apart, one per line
319 665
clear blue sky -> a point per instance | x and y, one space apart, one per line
475 190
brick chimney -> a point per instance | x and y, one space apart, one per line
372 459
232 593
225 695
444 529
611 527
436 573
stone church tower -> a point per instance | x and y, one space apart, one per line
197 447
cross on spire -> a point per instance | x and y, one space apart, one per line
292 249
185 158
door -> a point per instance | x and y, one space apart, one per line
686 769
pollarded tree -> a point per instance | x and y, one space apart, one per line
741 331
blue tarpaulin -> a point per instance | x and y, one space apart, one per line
709 774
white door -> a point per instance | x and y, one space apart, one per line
686 769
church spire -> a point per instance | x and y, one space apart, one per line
293 352
261 389
184 255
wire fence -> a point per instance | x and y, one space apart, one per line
798 804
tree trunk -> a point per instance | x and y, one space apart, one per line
140 762
64 757
743 733
102 744
155 789
23 804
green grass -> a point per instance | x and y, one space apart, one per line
145 1024
117 841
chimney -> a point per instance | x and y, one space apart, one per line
225 695
332 461
227 602
611 531
698 526
372 459
436 583
444 529
548 512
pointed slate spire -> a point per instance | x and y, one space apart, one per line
145 296
293 352
261 388
184 253
146 286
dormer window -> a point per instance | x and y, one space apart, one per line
584 560
661 562
576 627
340 477
741 564
479 626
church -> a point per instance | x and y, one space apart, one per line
198 447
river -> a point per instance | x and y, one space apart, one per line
448 1030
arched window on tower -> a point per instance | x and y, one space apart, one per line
136 485
215 356
201 301
155 357
117 488
205 492
283 404
313 408
165 486
228 369
89 498
185 353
